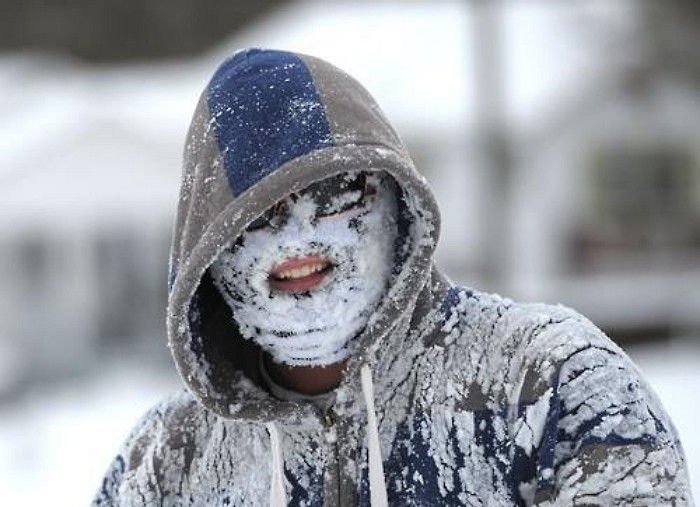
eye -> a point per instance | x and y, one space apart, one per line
269 218
258 223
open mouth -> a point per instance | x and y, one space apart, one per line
299 274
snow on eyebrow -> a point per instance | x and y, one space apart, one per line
339 201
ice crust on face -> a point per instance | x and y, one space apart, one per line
317 327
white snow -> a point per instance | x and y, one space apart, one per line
56 441
359 244
529 434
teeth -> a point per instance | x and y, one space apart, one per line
301 272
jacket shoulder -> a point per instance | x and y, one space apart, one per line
163 425
512 345
468 316
580 409
138 472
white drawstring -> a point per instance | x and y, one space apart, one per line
377 484
278 496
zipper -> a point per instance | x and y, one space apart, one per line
329 418
329 421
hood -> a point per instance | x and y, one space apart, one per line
270 123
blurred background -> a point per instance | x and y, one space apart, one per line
562 140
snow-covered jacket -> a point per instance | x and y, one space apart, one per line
455 396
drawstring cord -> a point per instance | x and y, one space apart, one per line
377 484
278 496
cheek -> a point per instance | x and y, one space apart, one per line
254 247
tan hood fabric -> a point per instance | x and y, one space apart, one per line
226 183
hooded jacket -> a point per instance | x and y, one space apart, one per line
455 396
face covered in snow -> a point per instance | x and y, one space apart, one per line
304 278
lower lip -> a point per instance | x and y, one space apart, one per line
299 284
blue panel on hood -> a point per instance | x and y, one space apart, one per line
265 111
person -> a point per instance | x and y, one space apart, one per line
328 361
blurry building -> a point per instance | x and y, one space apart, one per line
90 169
609 208
621 162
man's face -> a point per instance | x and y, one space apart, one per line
304 278
339 198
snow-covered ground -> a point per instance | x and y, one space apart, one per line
56 442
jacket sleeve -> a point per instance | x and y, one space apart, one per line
605 438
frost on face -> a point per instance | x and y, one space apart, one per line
314 327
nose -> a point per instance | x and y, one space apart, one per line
300 211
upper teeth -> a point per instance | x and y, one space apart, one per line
302 271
